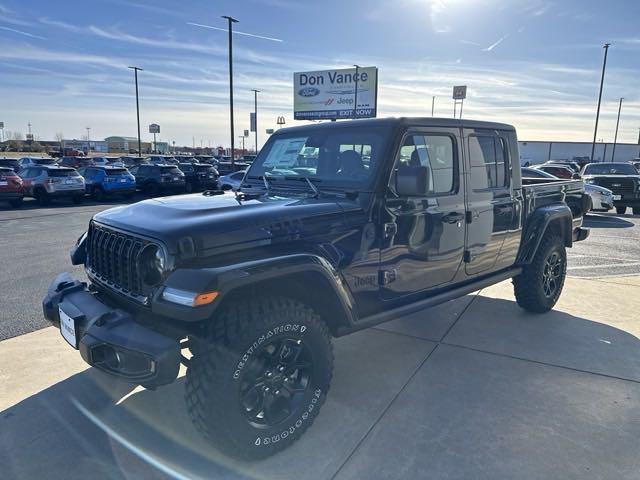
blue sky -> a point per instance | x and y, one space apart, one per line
533 63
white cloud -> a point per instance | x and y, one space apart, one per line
20 32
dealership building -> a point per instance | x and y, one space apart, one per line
540 151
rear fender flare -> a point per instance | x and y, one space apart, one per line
539 222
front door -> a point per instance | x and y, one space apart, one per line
423 236
490 202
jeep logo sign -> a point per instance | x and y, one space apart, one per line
329 94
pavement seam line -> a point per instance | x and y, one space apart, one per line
539 362
384 412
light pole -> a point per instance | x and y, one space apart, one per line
595 131
355 97
231 21
433 105
88 140
255 115
615 138
242 137
135 70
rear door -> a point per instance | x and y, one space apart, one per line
490 201
423 237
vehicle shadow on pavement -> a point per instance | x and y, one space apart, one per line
90 425
606 221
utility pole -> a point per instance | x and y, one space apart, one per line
135 71
255 116
355 99
595 131
615 138
242 137
88 139
231 21
433 105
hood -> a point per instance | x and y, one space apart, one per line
222 220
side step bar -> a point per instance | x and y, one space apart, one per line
437 299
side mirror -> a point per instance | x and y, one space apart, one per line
412 181
576 176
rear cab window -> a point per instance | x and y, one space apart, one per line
63 172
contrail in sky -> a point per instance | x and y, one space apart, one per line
235 31
494 45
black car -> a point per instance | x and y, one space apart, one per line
130 161
11 163
199 176
226 168
256 283
536 173
156 179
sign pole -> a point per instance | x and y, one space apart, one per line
355 97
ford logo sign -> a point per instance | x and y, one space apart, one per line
308 92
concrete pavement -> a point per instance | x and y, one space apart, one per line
475 388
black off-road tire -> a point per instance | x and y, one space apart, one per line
531 291
621 210
218 370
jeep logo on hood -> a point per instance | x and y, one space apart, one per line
308 92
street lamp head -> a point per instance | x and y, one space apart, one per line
231 19
136 68
606 45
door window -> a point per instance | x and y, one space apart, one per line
488 162
436 153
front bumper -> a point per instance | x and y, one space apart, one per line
580 233
109 338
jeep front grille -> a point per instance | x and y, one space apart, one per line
112 258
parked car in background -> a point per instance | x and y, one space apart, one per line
25 162
102 161
132 161
11 187
248 158
565 163
199 176
559 171
103 181
48 182
11 163
206 159
601 197
231 181
156 179
528 172
76 162
162 160
226 168
186 159
621 178
636 163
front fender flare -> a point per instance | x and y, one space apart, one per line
228 278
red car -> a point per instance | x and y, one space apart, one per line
11 187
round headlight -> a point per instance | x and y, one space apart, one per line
152 263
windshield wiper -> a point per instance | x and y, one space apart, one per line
316 192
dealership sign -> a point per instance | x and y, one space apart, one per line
333 94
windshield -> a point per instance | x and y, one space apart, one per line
339 156
610 169
174 170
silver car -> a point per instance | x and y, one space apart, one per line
601 198
48 182
231 181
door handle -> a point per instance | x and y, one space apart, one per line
453 217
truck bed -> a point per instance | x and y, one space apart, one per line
540 192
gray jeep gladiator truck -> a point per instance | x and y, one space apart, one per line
338 226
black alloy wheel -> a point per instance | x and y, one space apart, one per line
274 386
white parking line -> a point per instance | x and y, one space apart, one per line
611 265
